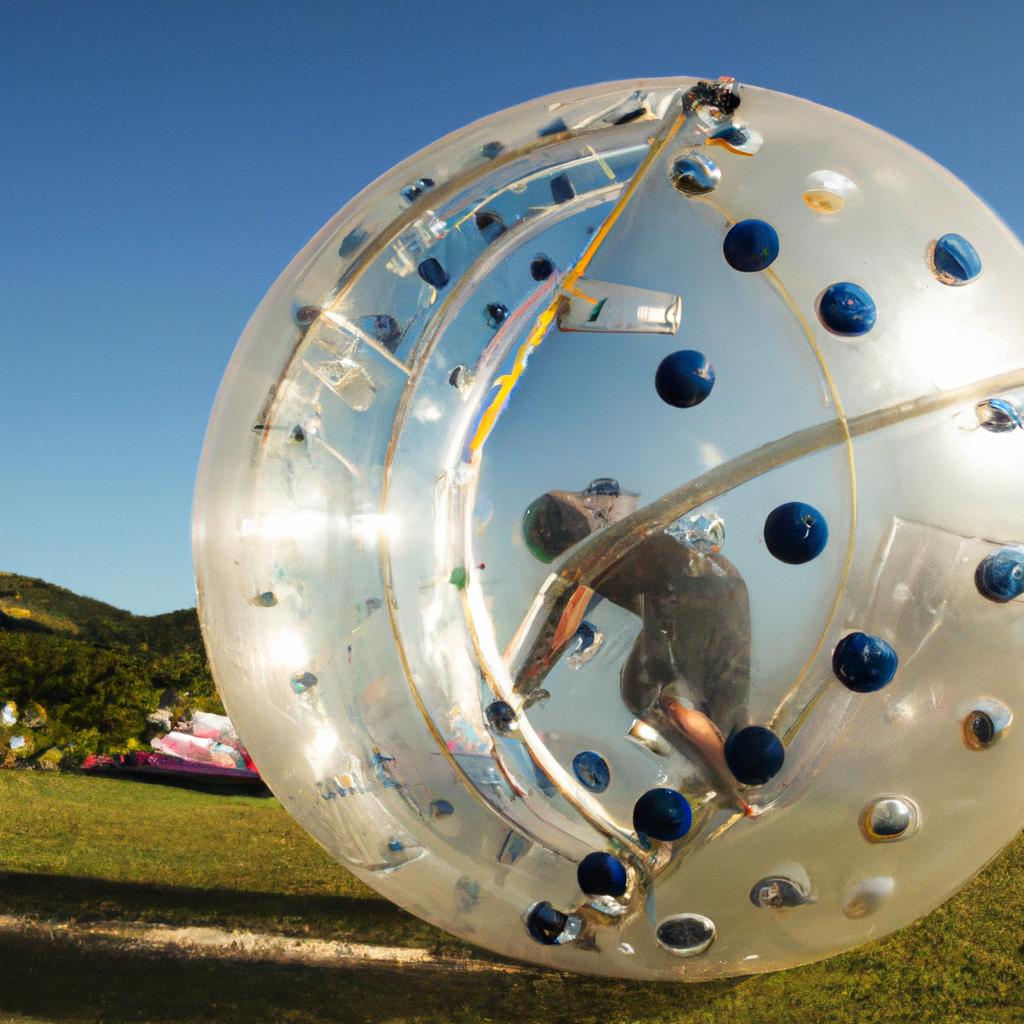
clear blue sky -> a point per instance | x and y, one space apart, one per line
160 163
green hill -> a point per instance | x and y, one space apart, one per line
33 605
83 675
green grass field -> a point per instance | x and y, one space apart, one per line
89 850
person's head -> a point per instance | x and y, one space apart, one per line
557 520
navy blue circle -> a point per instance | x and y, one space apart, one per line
592 770
754 755
545 924
845 308
497 314
500 715
1000 576
601 874
662 814
956 260
541 267
864 663
433 273
684 379
795 532
751 245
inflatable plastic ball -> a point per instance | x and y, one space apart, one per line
609 532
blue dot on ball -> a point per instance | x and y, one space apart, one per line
441 808
433 273
956 260
500 715
497 314
864 663
795 532
684 379
545 924
751 245
592 770
662 814
1000 576
754 755
846 308
601 874
541 267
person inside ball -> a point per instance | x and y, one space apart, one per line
689 667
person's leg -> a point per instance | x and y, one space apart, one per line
703 734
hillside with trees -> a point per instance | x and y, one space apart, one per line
78 676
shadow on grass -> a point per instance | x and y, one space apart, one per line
69 897
61 980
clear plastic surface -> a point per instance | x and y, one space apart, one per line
635 472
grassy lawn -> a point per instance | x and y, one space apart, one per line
89 850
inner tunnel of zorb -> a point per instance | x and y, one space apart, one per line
608 532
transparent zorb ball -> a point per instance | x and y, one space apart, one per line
608 534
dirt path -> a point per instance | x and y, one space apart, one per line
217 943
